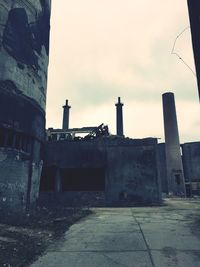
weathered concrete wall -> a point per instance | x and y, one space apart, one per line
131 171
24 46
162 167
24 49
75 154
13 183
191 164
132 175
19 183
77 199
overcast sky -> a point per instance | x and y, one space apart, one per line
102 49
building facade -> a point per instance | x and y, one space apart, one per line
24 52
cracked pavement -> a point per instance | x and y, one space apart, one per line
131 237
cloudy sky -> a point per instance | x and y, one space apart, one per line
102 49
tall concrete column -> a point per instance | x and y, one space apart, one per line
66 109
175 175
119 114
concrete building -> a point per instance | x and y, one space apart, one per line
104 169
119 170
99 168
191 165
24 49
191 168
174 166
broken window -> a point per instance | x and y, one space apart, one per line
11 138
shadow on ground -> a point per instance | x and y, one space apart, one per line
24 239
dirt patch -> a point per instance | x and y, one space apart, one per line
24 239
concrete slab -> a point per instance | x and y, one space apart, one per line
104 218
122 211
150 237
87 259
168 228
162 239
174 258
104 227
101 242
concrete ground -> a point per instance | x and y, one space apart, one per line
131 237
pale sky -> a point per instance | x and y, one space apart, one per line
102 49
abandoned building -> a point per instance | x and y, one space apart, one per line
99 168
24 49
190 154
116 170
77 165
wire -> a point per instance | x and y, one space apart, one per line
176 54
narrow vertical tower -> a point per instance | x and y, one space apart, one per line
66 109
194 14
175 175
24 54
119 116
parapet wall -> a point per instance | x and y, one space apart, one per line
125 170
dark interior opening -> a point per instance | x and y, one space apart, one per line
12 139
2 138
47 179
178 179
83 179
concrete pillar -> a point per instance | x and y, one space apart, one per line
66 109
119 114
58 186
175 174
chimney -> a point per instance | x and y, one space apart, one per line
66 109
175 174
119 114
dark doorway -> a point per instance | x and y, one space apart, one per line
48 179
83 179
